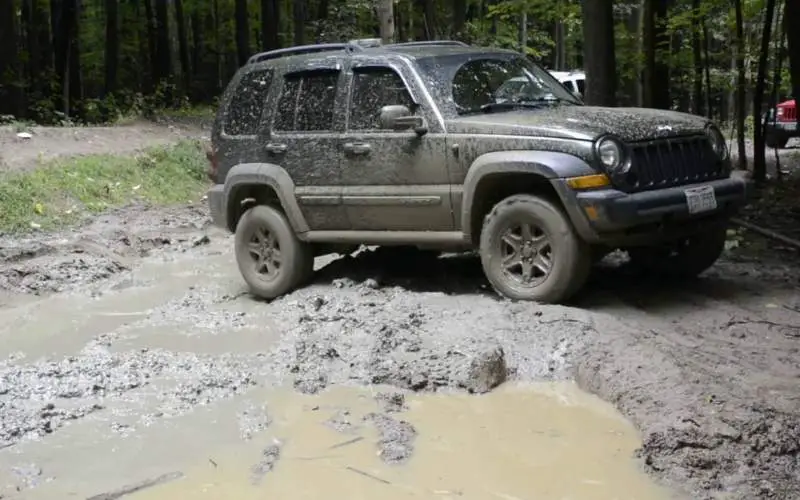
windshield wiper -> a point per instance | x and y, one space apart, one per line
507 105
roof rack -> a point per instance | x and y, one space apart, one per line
294 51
440 43
352 46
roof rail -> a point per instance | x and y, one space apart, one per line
294 51
440 43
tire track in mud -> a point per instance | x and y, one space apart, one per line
721 415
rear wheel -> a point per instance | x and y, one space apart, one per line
530 251
685 258
272 260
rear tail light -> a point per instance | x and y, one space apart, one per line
787 114
211 155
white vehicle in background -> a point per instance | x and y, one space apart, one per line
575 81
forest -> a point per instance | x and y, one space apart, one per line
92 61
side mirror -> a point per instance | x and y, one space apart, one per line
399 117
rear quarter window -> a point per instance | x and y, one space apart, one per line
243 116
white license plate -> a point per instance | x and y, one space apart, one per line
700 199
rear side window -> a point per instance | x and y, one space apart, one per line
307 101
581 86
247 104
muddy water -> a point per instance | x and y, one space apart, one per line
544 441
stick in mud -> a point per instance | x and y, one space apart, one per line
135 488
367 474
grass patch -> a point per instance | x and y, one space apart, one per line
61 192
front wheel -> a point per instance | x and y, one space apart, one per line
682 259
530 251
272 260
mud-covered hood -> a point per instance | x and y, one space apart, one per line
581 123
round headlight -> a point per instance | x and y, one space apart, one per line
717 142
609 151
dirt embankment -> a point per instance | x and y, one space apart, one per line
41 144
708 371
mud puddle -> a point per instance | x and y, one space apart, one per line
519 442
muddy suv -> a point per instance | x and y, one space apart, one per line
323 148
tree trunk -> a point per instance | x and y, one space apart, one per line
242 32
523 32
741 84
10 84
697 82
791 14
760 160
598 35
112 45
656 70
299 18
163 52
385 10
183 46
459 17
152 43
270 24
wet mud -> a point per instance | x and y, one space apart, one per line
167 347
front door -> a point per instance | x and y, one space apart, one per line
393 180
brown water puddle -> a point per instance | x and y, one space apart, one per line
548 441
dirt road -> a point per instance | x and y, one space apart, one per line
132 357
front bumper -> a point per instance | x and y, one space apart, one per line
609 216
786 129
216 205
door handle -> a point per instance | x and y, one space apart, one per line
357 148
277 149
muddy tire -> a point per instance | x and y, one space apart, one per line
775 141
270 257
683 259
530 251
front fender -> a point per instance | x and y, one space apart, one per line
265 174
545 164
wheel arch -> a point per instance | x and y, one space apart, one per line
494 176
261 183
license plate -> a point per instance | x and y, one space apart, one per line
700 199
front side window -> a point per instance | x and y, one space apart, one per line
488 83
247 104
374 88
306 103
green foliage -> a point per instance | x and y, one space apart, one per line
61 192
211 27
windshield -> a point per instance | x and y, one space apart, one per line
485 84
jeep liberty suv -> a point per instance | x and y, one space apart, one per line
323 148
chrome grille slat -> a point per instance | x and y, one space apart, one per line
672 162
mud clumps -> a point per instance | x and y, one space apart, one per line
100 249
38 398
396 442
269 457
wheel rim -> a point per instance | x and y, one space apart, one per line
526 254
265 252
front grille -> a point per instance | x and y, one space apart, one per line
672 162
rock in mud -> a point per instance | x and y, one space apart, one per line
396 442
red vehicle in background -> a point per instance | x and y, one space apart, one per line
782 124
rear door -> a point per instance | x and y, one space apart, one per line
393 180
305 134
